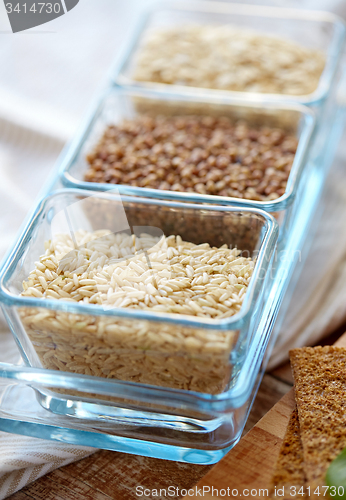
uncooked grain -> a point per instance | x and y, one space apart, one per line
196 153
182 278
164 274
228 58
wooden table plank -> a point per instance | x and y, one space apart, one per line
250 464
283 373
109 475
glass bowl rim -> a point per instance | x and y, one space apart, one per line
263 261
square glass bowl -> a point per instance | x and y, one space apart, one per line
173 379
312 29
119 104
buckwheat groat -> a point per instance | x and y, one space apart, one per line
202 154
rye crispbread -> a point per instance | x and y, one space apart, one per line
289 472
320 389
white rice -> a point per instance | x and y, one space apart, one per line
119 270
164 275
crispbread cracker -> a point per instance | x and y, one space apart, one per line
289 472
320 389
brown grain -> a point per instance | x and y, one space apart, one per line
203 154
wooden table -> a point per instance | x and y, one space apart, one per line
109 475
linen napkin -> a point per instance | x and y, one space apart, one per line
24 459
318 304
50 79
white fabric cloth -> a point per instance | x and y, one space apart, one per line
50 77
24 459
318 304
49 81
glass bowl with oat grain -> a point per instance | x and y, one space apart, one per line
176 385
150 292
235 50
194 150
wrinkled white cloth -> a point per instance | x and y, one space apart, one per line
318 304
50 76
24 459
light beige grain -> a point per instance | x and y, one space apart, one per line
228 58
137 350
